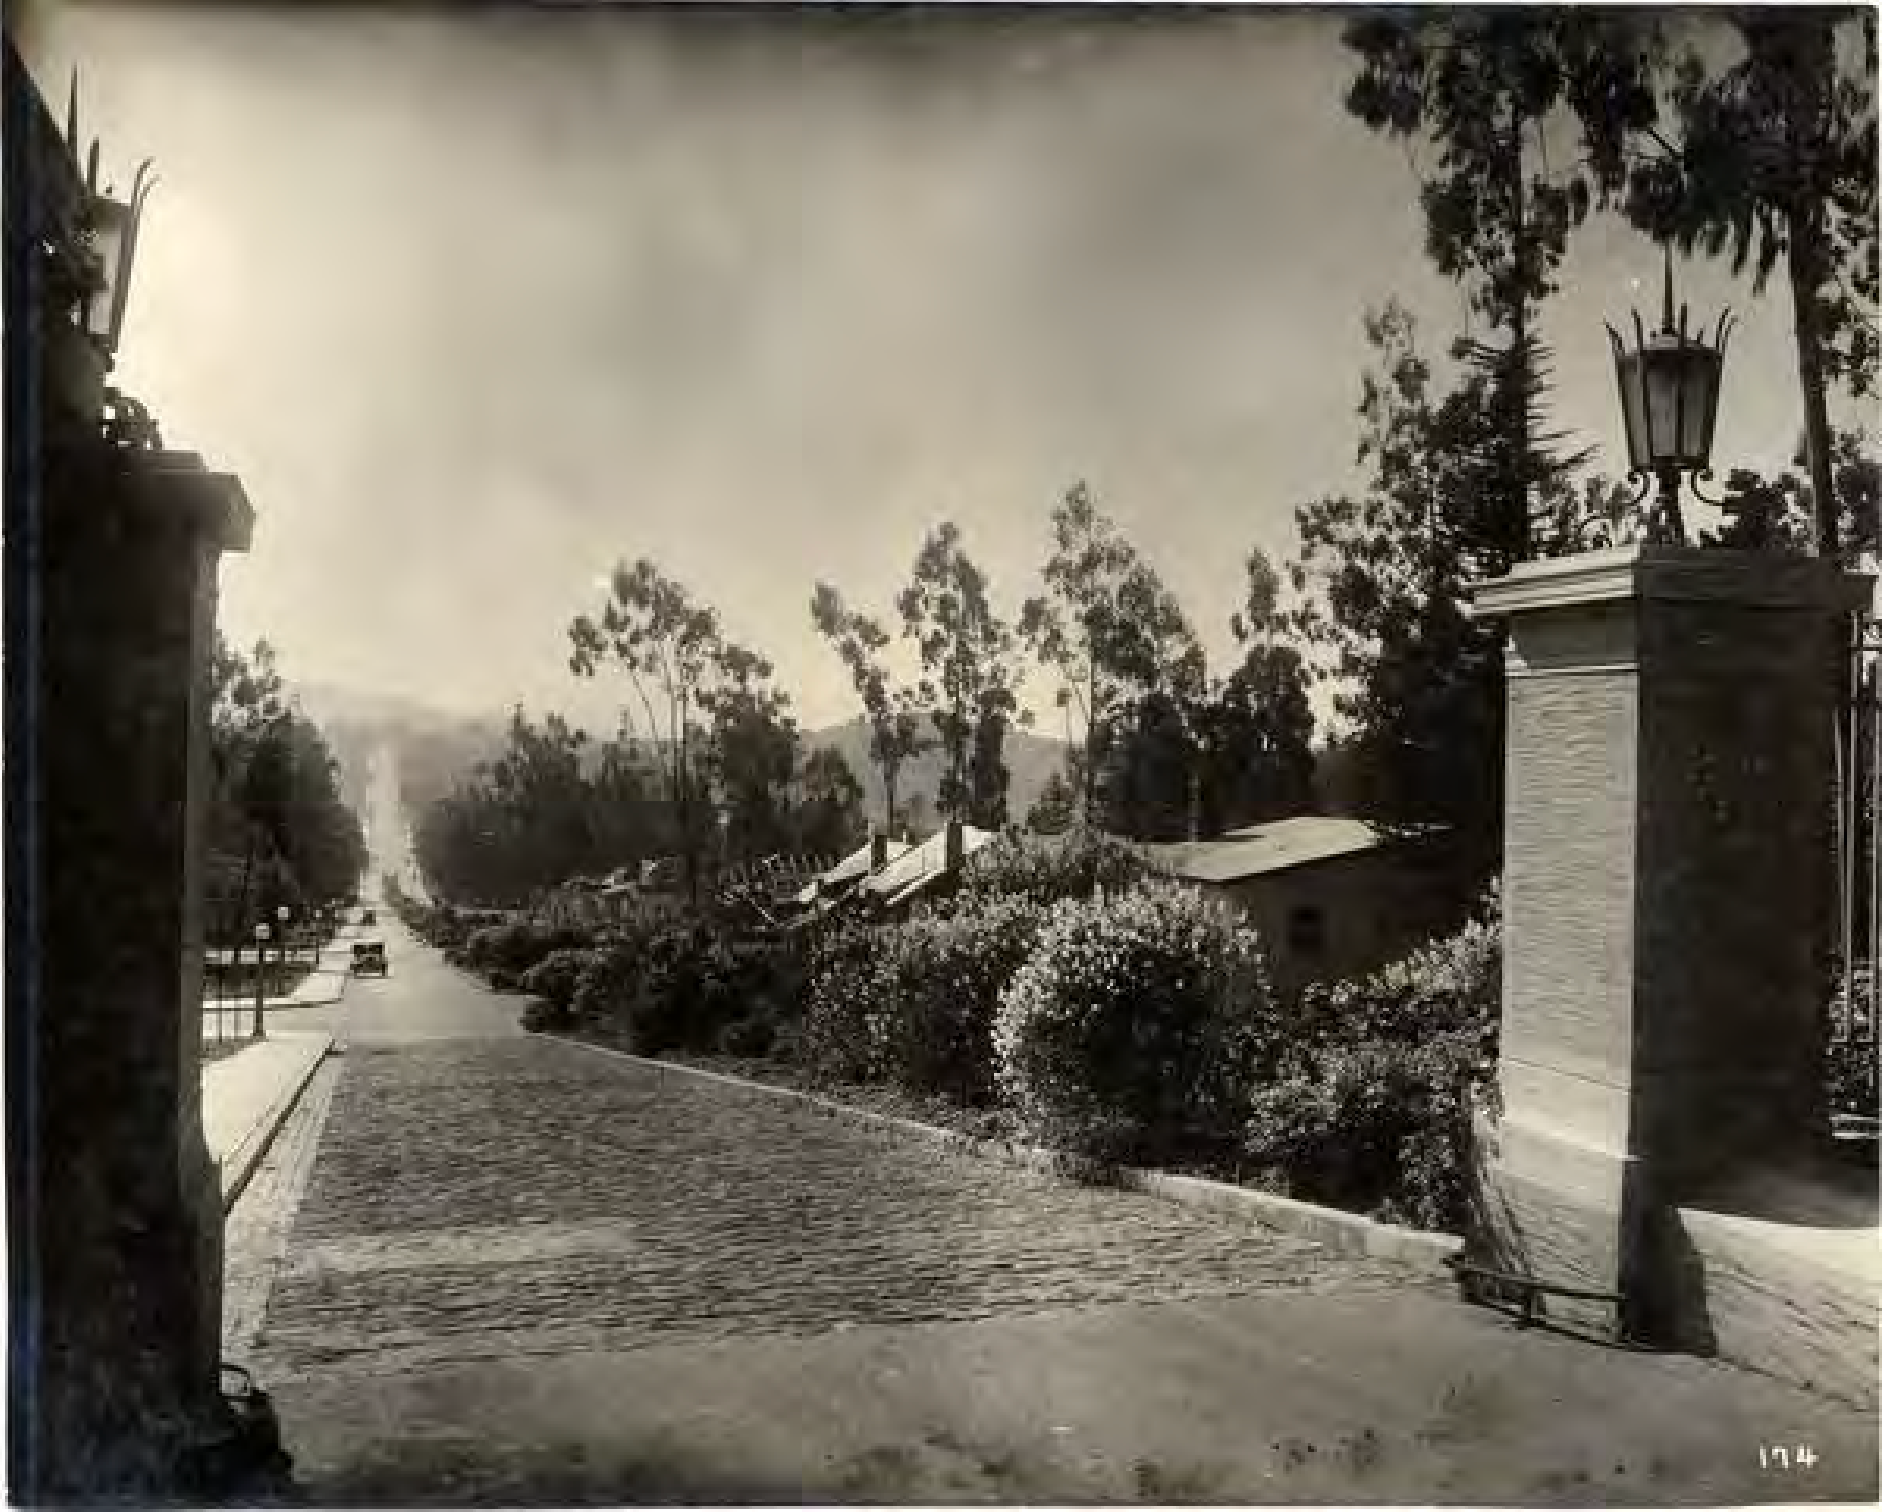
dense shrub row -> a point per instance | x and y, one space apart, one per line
658 990
1369 1105
1137 1029
1080 864
506 952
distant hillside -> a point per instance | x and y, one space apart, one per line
1031 760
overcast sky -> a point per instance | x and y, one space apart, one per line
478 304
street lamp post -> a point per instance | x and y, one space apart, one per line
1669 384
261 978
282 915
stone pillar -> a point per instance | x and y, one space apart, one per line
124 1214
1667 903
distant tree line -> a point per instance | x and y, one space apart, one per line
279 832
556 805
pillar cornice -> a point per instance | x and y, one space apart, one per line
160 488
1672 574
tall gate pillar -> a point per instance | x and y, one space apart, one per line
123 1203
1667 904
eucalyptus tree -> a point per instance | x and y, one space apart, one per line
276 805
1780 513
752 747
1255 732
1112 631
828 809
667 645
972 674
893 713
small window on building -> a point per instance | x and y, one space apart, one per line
1308 932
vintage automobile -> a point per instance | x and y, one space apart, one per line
369 958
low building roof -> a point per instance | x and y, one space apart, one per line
915 868
1257 849
853 866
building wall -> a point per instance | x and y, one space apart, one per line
1372 907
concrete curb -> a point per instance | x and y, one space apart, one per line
1341 1233
240 1166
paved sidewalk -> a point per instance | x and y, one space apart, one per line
327 983
247 1096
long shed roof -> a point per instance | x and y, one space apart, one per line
917 865
856 864
1257 849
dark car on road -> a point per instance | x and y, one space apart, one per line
369 958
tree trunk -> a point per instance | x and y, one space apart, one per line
1804 262
1520 368
683 806
1808 61
1089 782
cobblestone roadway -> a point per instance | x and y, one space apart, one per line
490 1197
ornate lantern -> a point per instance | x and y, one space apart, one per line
110 227
113 226
1670 389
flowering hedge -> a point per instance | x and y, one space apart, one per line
1137 1029
512 948
692 989
942 981
556 977
845 1009
1370 1108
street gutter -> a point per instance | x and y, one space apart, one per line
243 1161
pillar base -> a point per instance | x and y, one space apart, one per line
1555 1208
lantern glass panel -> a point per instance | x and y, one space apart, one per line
111 229
1634 413
1701 382
1661 375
